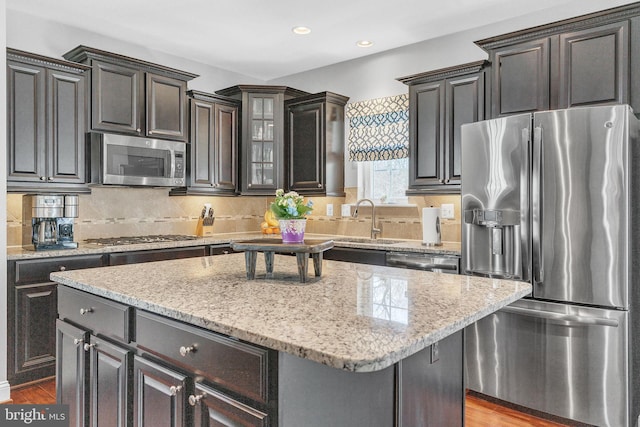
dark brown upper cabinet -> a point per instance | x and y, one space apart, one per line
213 145
587 60
440 102
262 157
135 97
46 123
315 144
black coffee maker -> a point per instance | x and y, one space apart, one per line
52 220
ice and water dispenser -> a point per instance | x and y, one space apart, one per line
494 238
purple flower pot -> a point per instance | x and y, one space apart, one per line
292 230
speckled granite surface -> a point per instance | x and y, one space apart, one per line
15 253
355 317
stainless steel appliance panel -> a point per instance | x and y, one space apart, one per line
569 361
495 197
580 213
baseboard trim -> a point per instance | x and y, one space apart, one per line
5 392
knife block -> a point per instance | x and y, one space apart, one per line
204 227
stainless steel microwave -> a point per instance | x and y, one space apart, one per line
130 160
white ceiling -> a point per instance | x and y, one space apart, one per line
254 37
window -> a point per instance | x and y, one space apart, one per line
384 181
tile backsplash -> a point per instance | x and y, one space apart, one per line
119 211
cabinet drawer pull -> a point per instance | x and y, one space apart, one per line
88 346
84 311
173 390
194 399
186 350
77 341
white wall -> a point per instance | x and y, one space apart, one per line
34 34
4 385
374 76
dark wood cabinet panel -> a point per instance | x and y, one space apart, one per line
66 111
314 144
233 365
426 105
440 102
134 257
110 402
214 409
521 77
305 166
46 124
226 147
33 312
25 121
594 66
72 372
31 316
135 97
159 395
166 107
116 98
465 104
213 146
587 60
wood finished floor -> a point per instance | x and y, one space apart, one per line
479 412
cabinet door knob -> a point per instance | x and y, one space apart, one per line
446 181
138 130
194 399
174 389
77 341
63 268
441 181
84 311
186 350
42 178
88 346
319 185
50 178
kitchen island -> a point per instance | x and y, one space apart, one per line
347 348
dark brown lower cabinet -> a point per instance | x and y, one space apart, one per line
214 409
159 395
71 376
93 377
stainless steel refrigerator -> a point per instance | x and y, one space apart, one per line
553 198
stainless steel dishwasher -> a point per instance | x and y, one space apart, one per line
424 261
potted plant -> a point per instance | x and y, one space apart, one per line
291 211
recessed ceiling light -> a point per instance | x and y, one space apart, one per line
364 43
301 30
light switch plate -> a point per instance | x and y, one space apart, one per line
329 209
446 210
345 210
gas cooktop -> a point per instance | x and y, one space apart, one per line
132 240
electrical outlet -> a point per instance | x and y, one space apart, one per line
329 209
345 210
446 210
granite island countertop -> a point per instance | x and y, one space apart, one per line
398 245
355 317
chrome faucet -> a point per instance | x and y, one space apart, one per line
374 231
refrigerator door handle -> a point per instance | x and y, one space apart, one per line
536 204
571 318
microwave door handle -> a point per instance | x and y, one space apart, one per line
570 318
172 172
536 204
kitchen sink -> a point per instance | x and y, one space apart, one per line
366 240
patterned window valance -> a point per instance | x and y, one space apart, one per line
379 128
